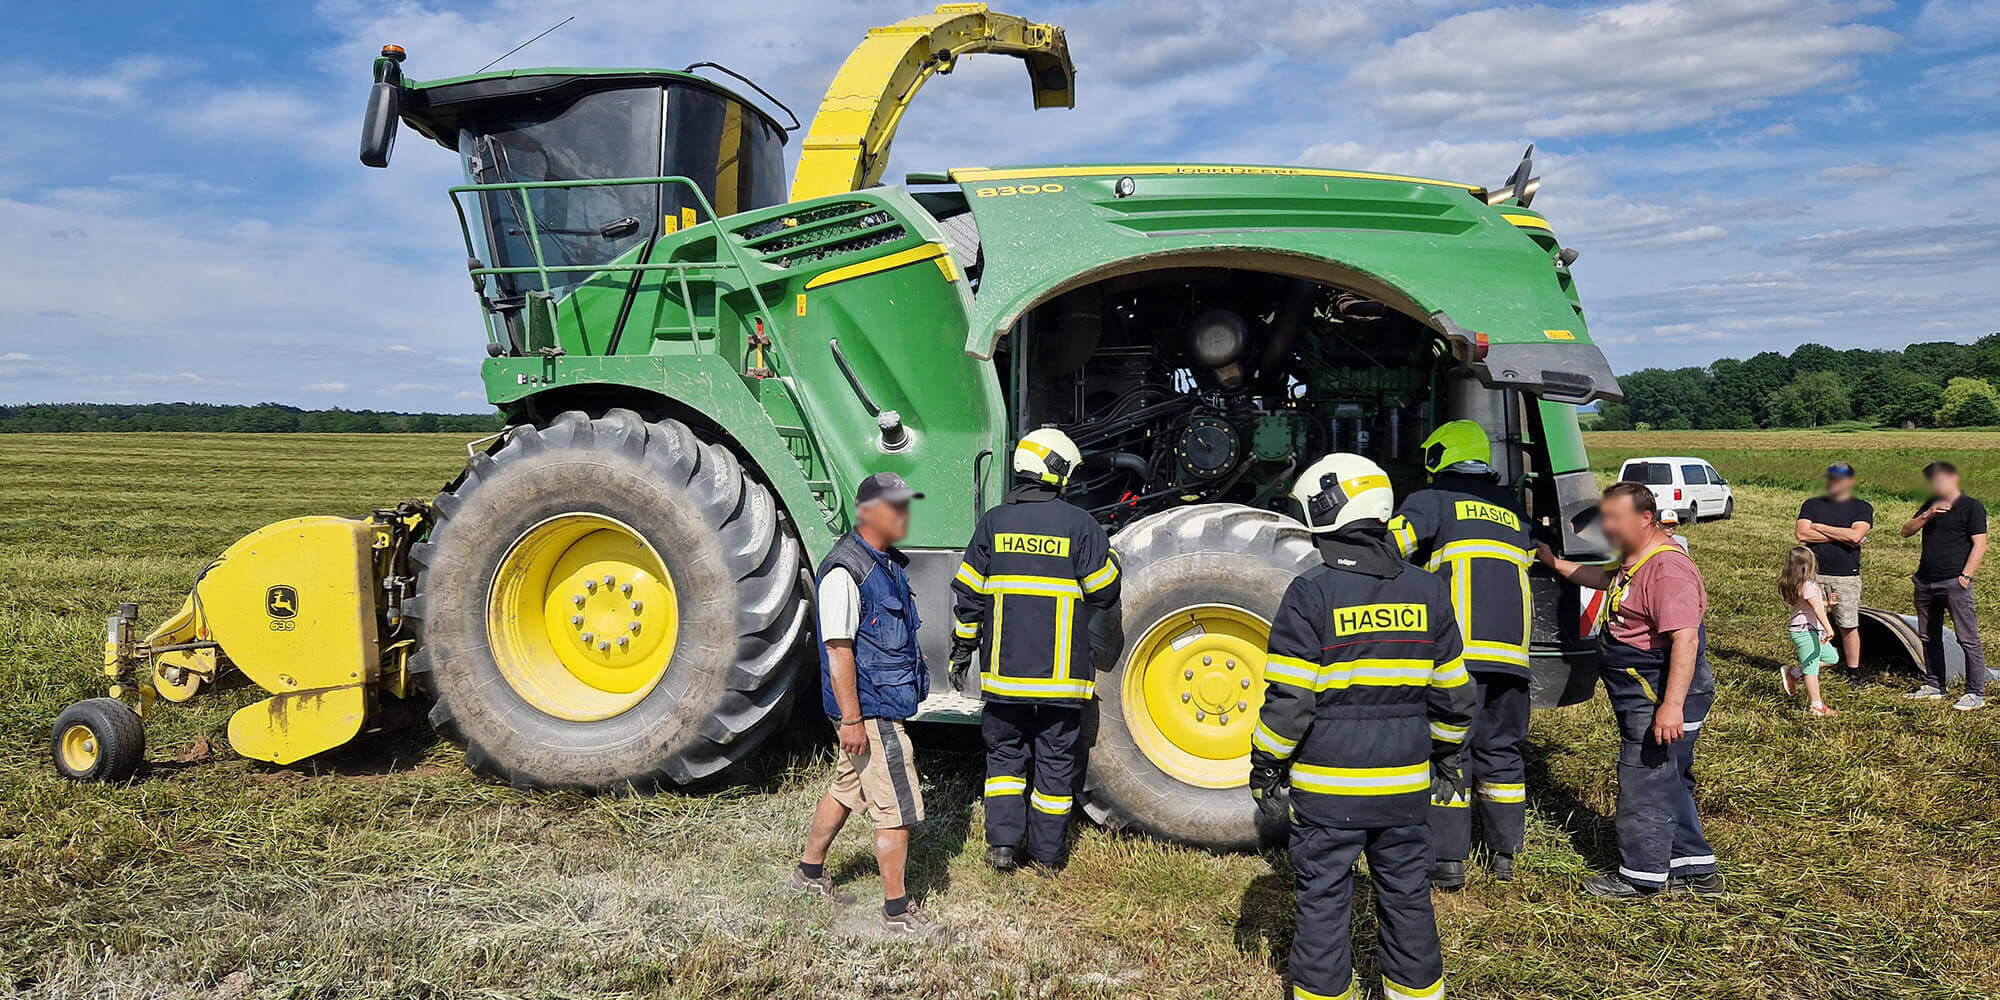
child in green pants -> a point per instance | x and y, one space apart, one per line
1808 625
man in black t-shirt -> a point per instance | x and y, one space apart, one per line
1954 527
1834 526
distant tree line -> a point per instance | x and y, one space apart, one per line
262 418
1922 385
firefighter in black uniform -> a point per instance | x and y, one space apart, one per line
1037 572
1472 532
1366 703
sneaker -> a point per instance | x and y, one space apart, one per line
1821 710
915 923
1615 887
1448 875
1503 867
1706 884
821 887
1925 693
1001 859
1970 702
1789 678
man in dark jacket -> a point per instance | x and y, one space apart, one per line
1365 705
1471 531
872 676
1036 573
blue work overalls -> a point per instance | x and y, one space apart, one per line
1659 832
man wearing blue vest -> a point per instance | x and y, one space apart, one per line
871 676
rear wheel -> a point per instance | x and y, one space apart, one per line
607 603
1201 585
101 739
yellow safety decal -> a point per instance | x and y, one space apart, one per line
947 268
969 175
1360 484
688 218
802 303
1558 334
886 262
1032 545
1528 221
1381 618
669 225
1478 510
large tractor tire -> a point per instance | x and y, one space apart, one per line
1172 756
607 604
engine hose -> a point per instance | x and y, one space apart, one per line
1285 328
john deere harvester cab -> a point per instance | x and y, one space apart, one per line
697 372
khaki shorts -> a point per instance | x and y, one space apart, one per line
881 783
1846 613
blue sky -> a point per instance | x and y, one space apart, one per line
186 218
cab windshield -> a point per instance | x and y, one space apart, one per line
730 151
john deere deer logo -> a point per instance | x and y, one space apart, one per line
282 602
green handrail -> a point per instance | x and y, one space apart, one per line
543 269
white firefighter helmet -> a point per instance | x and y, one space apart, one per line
1340 489
1048 455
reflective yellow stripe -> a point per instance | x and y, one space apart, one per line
883 263
965 630
1301 993
1450 675
1361 780
1502 652
1054 805
1449 733
993 643
1034 687
1528 221
1481 550
1395 992
971 578
1458 801
1065 623
1037 586
1405 535
1374 672
1271 743
1292 671
1003 786
1503 791
1102 578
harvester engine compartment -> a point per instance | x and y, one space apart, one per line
1209 385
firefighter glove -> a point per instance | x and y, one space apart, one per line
1447 779
962 651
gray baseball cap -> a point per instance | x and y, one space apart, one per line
886 486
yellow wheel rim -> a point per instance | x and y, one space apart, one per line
79 749
1192 690
582 617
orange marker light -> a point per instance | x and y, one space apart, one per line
394 52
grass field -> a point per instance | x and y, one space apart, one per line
1863 852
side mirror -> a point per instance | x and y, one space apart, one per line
385 108
378 124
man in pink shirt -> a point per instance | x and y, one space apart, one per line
1652 658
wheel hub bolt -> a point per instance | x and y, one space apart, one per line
576 599
626 589
1243 706
1232 664
1246 683
1222 719
603 644
587 637
609 579
623 642
1207 660
635 627
590 585
1186 697
576 620
638 607
1200 716
1188 673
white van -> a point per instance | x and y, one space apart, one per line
1688 485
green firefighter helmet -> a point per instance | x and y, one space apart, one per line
1455 442
1047 455
1340 489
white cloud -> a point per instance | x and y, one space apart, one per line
1958 24
1638 67
1861 172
